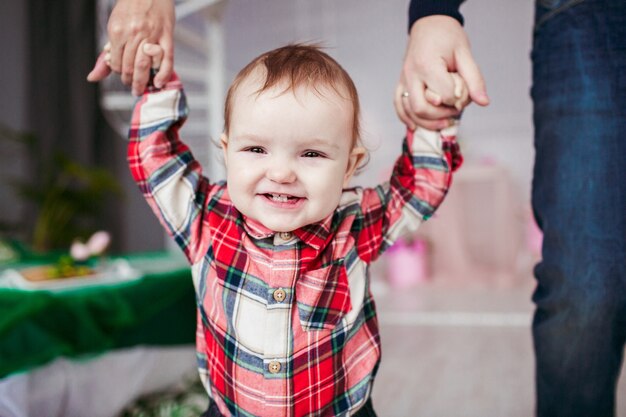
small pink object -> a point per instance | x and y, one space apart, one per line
79 251
407 263
98 242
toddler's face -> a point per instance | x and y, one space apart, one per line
288 156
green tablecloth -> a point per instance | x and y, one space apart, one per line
156 309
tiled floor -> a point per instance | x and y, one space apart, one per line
458 348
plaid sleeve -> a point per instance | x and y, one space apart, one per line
167 174
418 184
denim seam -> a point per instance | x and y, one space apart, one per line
552 13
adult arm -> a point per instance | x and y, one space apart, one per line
437 47
131 24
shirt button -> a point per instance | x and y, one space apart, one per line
279 295
274 367
286 236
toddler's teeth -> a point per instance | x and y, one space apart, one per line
280 198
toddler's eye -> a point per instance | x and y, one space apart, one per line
312 154
255 149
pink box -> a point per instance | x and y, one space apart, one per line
407 263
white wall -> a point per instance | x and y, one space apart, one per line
500 32
368 38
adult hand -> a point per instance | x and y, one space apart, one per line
131 24
425 95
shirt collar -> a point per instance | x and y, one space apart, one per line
314 235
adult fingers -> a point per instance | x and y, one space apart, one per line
117 41
413 122
432 97
417 107
398 99
149 56
414 103
130 57
155 52
437 78
141 73
470 72
167 63
460 92
415 111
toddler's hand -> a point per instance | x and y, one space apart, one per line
102 67
155 52
461 93
100 70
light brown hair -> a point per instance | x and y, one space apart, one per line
299 65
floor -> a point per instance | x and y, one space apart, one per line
456 347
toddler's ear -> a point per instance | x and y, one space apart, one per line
224 144
356 156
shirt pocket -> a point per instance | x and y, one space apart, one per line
323 297
223 285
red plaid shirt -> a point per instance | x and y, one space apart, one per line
286 321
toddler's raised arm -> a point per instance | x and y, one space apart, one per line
169 177
418 184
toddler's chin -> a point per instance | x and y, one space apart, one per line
279 227
281 224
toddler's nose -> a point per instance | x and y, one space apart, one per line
281 172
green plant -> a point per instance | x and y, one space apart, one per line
189 399
67 196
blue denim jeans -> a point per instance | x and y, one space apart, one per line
579 201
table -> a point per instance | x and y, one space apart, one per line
116 333
156 309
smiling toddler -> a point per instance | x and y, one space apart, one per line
280 251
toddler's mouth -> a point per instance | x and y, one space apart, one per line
281 198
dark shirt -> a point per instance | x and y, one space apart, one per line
423 8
